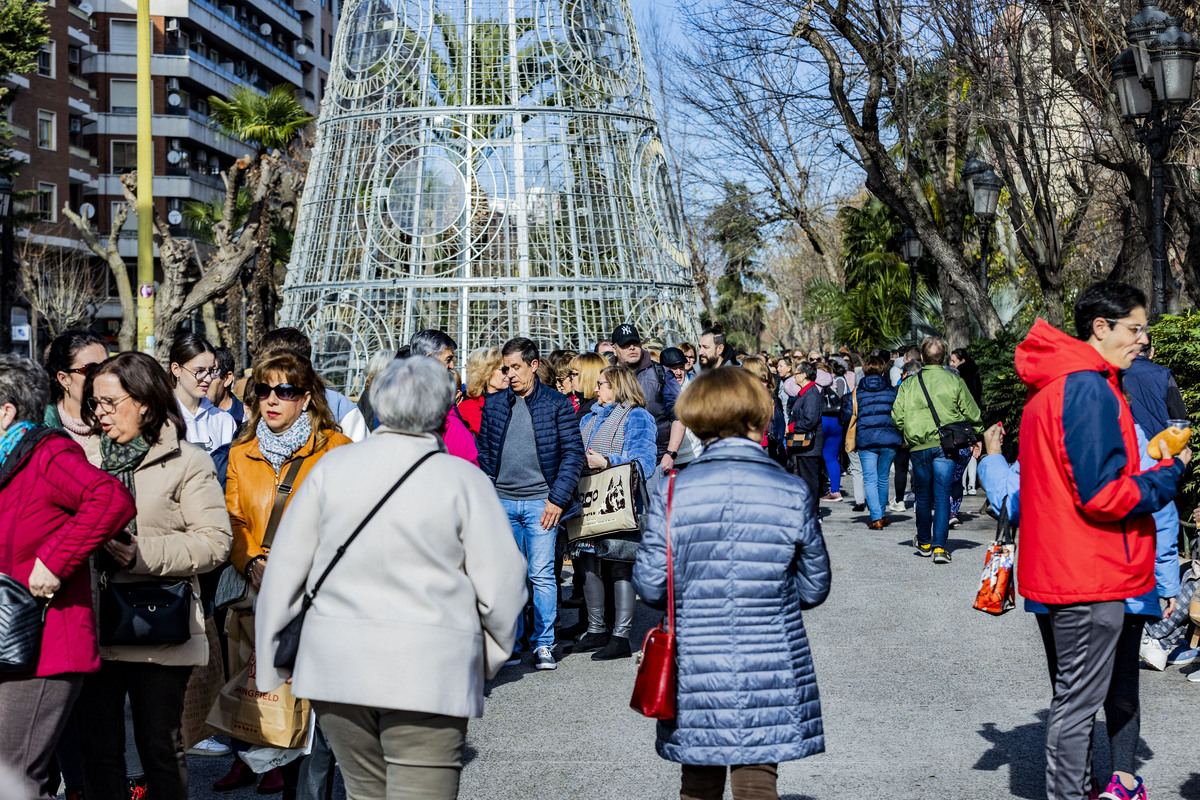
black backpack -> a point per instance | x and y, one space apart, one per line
831 402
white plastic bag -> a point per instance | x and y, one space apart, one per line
264 759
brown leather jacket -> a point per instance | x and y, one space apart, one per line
250 491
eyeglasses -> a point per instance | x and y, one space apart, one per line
573 374
84 370
106 404
1138 330
602 383
201 374
284 391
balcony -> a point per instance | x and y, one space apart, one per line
280 14
194 128
18 131
78 36
81 152
249 33
77 12
79 83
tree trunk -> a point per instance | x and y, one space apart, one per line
211 331
954 314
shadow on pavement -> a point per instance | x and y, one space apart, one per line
1190 790
1023 750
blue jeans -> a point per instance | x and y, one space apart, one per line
537 546
832 452
876 464
932 474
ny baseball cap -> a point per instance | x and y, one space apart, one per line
625 335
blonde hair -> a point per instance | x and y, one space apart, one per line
589 365
625 386
482 362
755 366
724 403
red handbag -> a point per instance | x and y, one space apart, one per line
654 687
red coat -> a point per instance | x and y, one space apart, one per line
60 508
1086 530
471 410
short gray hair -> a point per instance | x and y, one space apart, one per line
413 395
26 385
430 342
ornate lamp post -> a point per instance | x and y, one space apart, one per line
911 247
985 194
1153 82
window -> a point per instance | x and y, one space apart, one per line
45 60
122 96
122 36
47 134
47 201
124 156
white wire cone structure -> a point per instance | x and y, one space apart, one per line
490 168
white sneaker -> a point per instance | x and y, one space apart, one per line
971 492
954 522
1153 653
209 747
897 507
544 659
909 497
1195 677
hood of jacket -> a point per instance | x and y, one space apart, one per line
874 383
1048 354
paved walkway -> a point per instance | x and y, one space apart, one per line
922 697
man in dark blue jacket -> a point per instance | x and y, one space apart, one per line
531 448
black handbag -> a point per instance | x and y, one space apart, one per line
954 436
145 612
22 617
287 641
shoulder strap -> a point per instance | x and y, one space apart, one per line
670 565
282 493
341 551
661 372
921 380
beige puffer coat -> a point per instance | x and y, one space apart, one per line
182 531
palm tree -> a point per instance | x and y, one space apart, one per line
269 121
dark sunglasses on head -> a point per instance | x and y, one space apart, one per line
503 370
284 391
84 370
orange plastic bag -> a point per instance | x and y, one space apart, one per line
997 590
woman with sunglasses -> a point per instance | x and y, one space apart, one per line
289 429
72 355
486 374
181 531
193 369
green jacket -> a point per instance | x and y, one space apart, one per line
951 398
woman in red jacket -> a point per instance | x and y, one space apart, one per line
55 509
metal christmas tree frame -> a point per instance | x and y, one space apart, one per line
490 168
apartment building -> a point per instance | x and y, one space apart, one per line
74 120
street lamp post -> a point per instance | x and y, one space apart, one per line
911 247
1153 82
7 275
985 191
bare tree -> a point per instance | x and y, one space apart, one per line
110 254
60 282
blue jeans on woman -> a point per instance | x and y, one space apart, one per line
876 464
833 452
932 475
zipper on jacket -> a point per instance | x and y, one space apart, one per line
1125 539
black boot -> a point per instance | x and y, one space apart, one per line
591 641
617 647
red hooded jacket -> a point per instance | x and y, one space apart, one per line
59 508
1086 530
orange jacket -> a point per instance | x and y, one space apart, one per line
250 491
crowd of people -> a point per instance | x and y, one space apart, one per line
462 499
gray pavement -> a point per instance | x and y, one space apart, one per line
921 696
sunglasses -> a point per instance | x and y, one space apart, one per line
84 370
284 391
503 370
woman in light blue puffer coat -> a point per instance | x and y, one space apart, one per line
748 557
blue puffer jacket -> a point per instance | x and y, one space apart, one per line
748 557
875 428
556 431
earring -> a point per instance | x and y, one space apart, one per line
143 412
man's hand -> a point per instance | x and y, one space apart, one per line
1196 515
595 460
123 553
551 516
1185 456
666 465
43 582
993 438
1170 609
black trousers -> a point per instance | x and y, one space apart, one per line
900 463
809 470
156 699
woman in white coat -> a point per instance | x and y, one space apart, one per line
420 609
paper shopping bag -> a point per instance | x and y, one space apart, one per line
273 719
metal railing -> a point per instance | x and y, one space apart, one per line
249 32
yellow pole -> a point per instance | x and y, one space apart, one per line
145 183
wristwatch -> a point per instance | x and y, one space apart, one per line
674 454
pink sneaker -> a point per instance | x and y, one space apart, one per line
1117 791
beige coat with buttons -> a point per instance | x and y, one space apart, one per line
182 531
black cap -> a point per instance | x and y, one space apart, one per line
672 357
625 335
